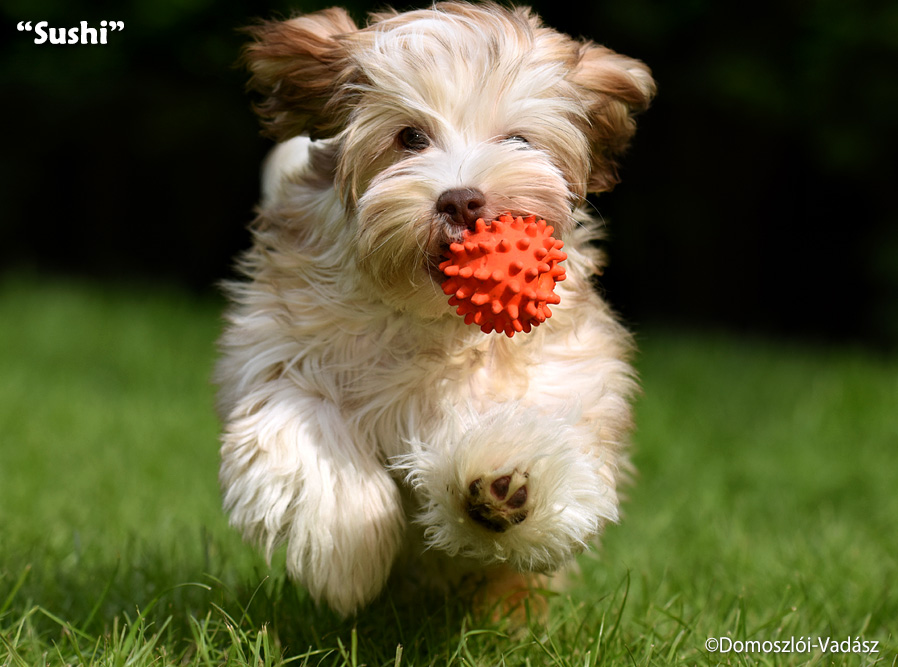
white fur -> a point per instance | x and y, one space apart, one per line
285 159
569 510
358 407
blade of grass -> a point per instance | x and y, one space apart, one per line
15 589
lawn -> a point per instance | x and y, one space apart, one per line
765 510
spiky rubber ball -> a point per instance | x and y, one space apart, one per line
502 275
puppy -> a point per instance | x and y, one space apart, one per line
366 426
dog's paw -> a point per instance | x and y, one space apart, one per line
499 500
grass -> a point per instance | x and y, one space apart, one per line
765 508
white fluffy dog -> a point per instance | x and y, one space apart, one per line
367 426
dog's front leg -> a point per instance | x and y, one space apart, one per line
516 486
292 472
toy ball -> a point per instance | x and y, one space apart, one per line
502 275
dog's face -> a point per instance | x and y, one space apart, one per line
445 115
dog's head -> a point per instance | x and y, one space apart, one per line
444 115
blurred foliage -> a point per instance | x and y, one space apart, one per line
758 192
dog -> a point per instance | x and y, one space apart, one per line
367 427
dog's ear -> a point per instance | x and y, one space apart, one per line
615 88
297 66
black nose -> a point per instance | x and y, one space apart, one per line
463 206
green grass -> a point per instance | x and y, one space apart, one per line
765 507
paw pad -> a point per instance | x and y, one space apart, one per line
498 501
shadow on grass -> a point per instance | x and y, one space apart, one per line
213 604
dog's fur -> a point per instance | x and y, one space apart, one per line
365 423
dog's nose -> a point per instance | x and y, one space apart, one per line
463 206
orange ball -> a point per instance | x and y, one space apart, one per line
502 275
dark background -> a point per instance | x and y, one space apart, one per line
758 195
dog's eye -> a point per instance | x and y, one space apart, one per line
414 139
517 138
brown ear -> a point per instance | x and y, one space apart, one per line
615 88
296 65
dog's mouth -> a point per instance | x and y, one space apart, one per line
445 234
435 257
